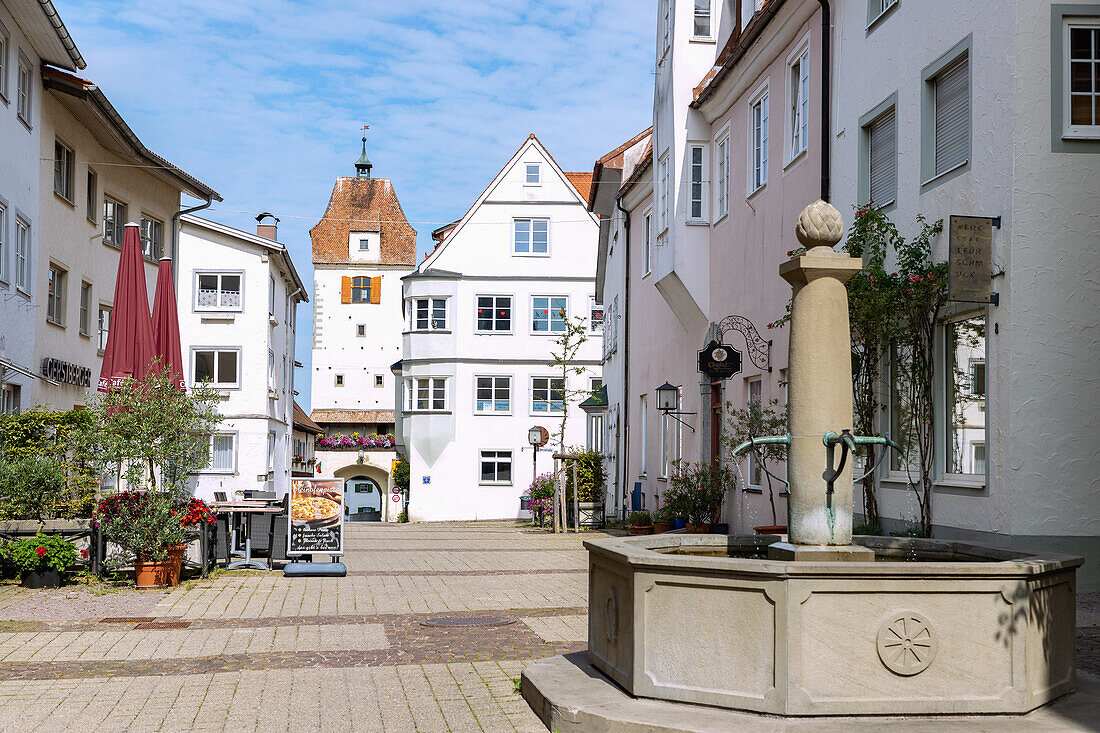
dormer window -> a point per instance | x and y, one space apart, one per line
533 176
364 246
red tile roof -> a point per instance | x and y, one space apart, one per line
581 180
302 421
363 204
352 416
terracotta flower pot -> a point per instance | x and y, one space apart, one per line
771 529
41 579
698 528
165 573
647 529
660 525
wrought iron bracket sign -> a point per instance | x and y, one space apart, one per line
719 361
760 349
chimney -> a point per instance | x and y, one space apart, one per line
267 231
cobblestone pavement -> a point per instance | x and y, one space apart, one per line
252 651
257 651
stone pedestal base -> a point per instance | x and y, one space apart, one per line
820 553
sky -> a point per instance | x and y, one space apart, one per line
265 100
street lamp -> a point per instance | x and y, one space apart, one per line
668 400
535 437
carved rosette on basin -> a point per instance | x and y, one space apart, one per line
906 644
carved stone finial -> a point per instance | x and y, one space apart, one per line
819 225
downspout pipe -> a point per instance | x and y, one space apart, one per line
176 237
626 354
826 97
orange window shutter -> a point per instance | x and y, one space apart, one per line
345 290
376 289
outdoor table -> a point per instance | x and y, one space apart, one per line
247 508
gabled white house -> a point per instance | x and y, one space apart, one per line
236 295
481 316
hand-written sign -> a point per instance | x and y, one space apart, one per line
719 361
316 517
970 266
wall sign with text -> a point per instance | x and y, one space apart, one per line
970 263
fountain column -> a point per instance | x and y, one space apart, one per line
820 387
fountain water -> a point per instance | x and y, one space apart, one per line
816 626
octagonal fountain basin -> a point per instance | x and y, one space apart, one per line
929 627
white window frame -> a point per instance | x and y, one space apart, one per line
647 242
24 90
152 238
550 331
91 196
942 434
56 300
103 326
757 140
697 169
664 29
270 451
664 193
878 8
1070 131
798 102
379 380
23 261
527 167
549 389
114 225
644 404
595 326
432 306
210 468
754 392
84 321
195 350
708 13
432 386
722 174
5 53
239 274
494 387
64 164
271 296
499 458
360 330
495 297
531 221
4 277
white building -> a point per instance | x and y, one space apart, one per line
361 248
481 313
28 39
237 296
102 178
984 109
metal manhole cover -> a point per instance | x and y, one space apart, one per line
464 622
163 625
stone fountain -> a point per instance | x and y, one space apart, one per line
820 622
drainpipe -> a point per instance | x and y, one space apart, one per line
626 354
826 99
176 237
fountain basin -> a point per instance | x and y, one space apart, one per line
930 627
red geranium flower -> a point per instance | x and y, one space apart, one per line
41 551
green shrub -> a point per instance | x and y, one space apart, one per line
44 472
403 517
870 529
913 530
639 519
698 491
401 474
41 552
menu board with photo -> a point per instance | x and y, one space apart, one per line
316 517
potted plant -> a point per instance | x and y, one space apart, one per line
41 561
540 498
698 491
639 523
664 519
590 477
147 528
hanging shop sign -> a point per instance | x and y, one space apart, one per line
316 517
970 265
63 371
719 361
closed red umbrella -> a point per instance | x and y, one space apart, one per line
130 345
166 324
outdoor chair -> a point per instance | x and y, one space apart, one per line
269 532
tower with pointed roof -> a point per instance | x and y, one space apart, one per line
362 247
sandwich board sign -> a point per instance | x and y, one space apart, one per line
316 517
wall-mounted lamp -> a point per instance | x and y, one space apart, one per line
668 400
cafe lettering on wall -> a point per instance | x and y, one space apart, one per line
66 373
970 266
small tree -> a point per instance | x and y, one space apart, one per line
566 347
152 429
756 421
